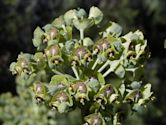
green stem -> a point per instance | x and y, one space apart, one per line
115 120
107 72
104 66
95 64
64 28
75 72
57 72
113 66
81 34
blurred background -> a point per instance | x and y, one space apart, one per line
19 18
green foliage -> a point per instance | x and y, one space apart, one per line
156 9
101 80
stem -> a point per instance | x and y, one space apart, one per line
104 66
75 72
95 64
81 34
113 66
64 28
57 72
115 120
107 72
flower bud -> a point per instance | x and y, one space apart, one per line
80 91
88 57
40 60
56 60
104 94
53 50
53 62
94 119
79 86
101 46
133 96
23 63
110 53
61 101
80 52
81 56
53 33
40 92
131 55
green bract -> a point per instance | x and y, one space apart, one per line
96 14
100 77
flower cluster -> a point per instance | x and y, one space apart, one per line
102 77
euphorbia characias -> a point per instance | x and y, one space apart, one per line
101 77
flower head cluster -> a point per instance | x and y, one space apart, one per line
102 77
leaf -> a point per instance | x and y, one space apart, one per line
118 46
146 93
69 45
135 85
96 14
131 36
142 49
101 58
47 28
58 22
122 89
120 71
94 84
87 42
113 97
82 24
139 34
114 29
52 42
38 37
69 16
136 107
12 68
53 88
62 107
130 96
58 79
40 61
81 13
101 78
69 32
95 107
